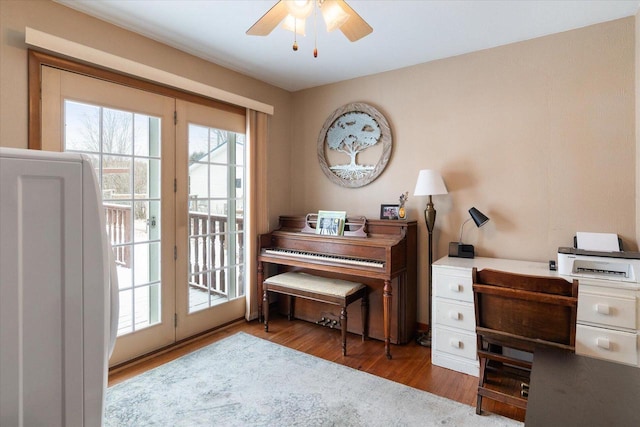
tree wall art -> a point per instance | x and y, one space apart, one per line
354 145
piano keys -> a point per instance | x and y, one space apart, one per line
385 261
325 257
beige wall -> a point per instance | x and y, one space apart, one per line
538 135
61 21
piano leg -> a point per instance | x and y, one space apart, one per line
364 308
343 323
265 303
260 280
386 300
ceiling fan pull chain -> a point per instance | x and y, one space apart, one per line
315 30
295 35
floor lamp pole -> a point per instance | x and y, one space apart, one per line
430 220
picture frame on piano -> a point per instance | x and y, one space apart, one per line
331 223
389 212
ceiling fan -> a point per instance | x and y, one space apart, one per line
337 14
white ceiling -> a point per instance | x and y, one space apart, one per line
405 32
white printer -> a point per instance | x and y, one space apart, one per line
620 266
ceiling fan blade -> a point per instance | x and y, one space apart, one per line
355 28
269 20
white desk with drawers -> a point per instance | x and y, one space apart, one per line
607 325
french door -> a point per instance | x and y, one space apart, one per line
211 217
168 290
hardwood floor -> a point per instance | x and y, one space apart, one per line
411 363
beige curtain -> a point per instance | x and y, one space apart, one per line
256 211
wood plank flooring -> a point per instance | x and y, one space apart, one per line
411 363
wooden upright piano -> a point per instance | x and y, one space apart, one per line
383 256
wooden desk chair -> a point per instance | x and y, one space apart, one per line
518 312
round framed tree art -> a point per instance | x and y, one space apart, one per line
354 145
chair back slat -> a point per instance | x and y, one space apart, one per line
542 284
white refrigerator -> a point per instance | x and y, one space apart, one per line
58 309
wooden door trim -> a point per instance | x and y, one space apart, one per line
37 59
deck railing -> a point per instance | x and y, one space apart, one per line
207 245
208 249
119 222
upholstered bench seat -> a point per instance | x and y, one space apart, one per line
315 284
316 288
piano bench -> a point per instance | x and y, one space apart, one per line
323 289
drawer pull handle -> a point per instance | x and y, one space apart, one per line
455 315
602 308
603 343
455 287
455 343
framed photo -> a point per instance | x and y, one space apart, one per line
389 211
331 223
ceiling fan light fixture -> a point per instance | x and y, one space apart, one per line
334 16
294 25
300 9
292 14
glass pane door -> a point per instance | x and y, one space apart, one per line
125 150
216 196
129 135
213 212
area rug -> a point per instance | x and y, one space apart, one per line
243 380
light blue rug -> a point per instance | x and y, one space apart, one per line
247 381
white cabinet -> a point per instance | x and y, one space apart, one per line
607 325
454 338
607 322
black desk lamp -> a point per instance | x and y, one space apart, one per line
458 249
429 183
